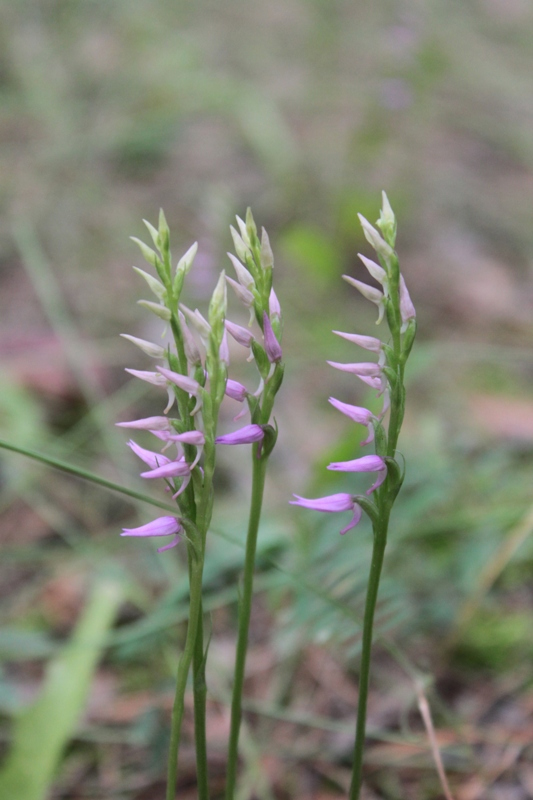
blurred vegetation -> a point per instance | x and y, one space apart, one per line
305 111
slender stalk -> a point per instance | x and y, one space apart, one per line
200 694
245 606
378 552
195 608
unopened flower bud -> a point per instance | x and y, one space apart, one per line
186 261
217 307
241 335
244 230
192 352
244 295
387 221
154 233
241 248
148 254
198 322
164 233
150 377
374 295
156 308
407 309
377 272
243 276
156 286
251 227
272 346
372 236
267 257
273 305
151 349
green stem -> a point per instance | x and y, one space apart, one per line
378 551
200 694
245 606
195 608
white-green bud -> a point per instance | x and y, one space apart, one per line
251 227
164 232
149 254
198 322
374 295
219 303
241 248
377 272
151 349
160 311
154 233
372 236
185 262
243 276
156 286
387 221
192 352
267 257
244 230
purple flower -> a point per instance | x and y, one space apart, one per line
273 304
241 335
172 469
162 526
187 384
364 464
153 460
272 346
366 371
331 504
236 390
246 435
148 423
361 415
367 342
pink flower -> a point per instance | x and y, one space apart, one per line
172 469
364 464
361 415
153 460
331 504
272 346
148 424
246 435
162 526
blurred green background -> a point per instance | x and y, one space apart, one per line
304 111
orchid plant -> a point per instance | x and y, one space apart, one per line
387 377
194 372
